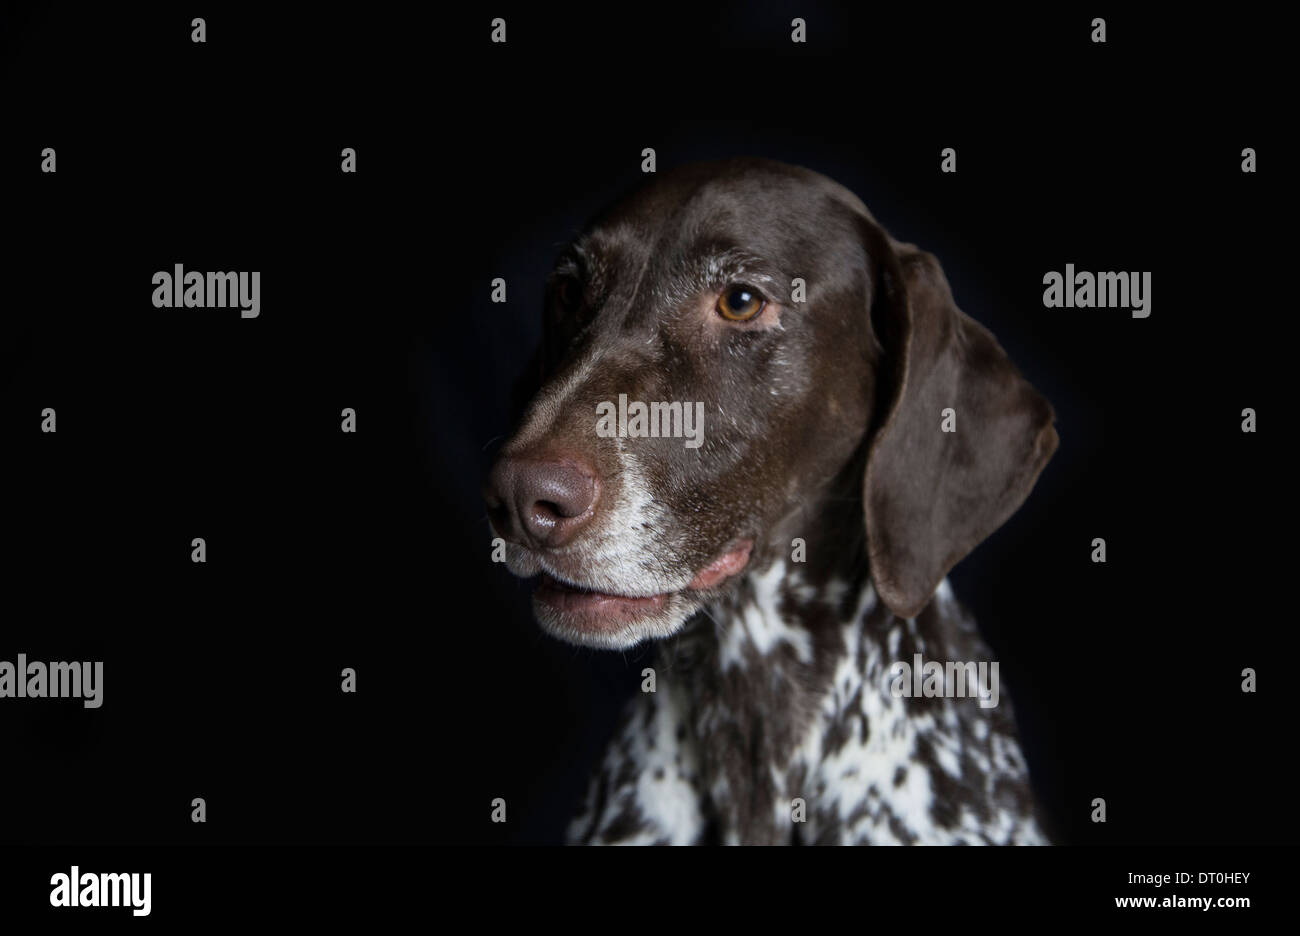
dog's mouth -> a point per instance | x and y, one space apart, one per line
587 610
571 598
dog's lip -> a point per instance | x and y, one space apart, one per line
727 564
567 597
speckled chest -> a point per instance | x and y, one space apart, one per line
773 722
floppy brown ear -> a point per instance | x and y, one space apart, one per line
931 496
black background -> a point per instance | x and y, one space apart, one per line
477 160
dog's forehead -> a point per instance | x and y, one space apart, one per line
766 207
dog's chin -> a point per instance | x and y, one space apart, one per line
615 620
609 622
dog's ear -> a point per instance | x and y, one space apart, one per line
938 482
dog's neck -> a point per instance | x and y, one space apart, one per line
805 580
752 671
777 698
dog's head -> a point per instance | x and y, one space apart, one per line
636 514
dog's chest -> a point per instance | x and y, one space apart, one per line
775 722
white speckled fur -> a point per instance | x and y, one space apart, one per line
877 792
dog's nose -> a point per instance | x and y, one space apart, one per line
540 502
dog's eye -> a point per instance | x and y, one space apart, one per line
568 292
740 304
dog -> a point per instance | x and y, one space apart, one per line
860 436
